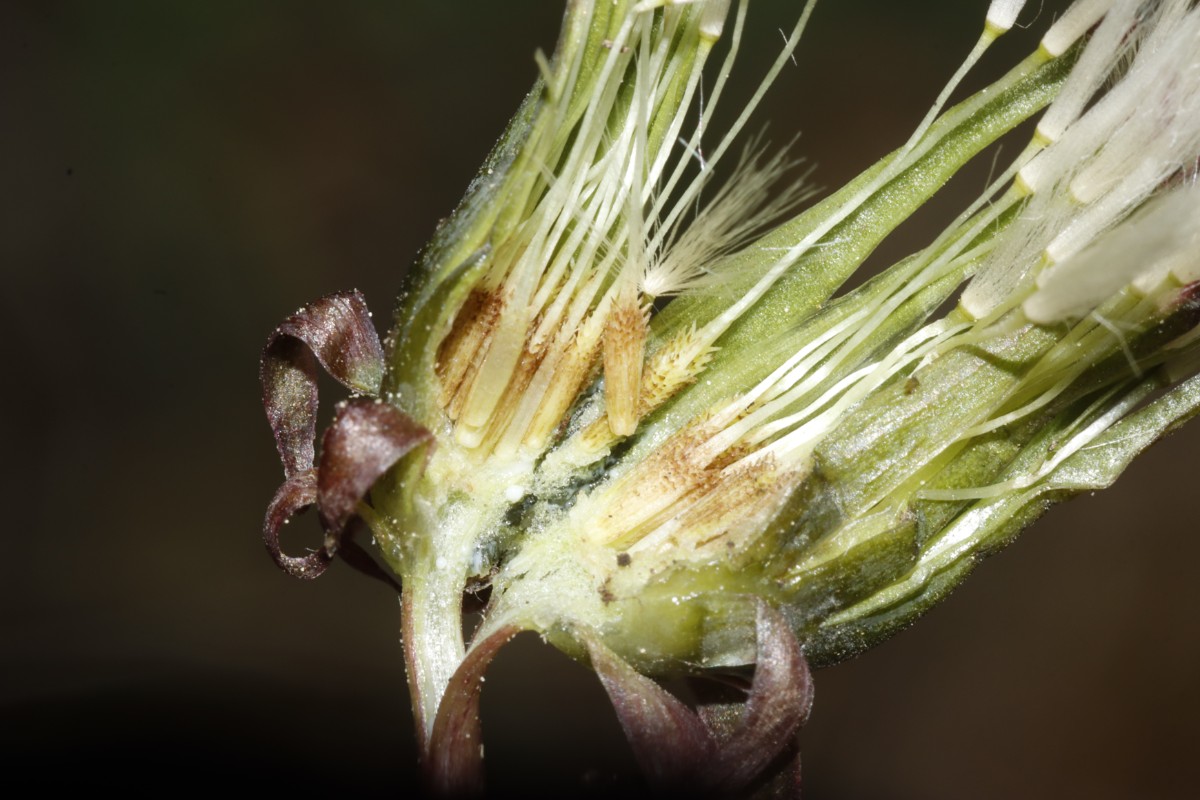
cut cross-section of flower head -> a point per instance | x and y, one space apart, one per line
626 392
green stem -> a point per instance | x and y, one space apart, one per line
433 645
432 621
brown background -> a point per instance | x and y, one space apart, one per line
179 176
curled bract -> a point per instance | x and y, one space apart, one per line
365 439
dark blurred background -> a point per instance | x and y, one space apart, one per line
179 176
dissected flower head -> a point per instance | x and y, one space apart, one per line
626 393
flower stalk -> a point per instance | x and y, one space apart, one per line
624 394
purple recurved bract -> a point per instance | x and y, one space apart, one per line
366 437
720 750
